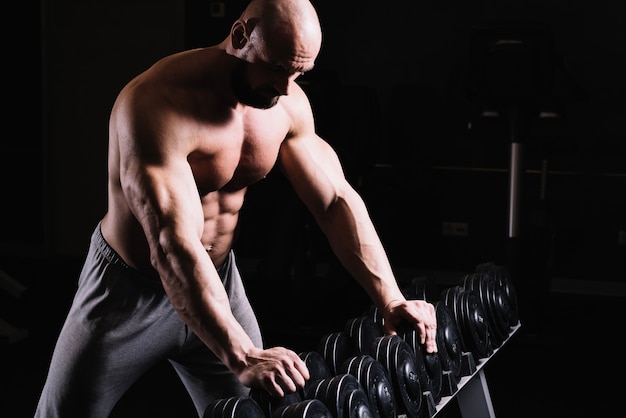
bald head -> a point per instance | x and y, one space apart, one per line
275 41
280 29
294 18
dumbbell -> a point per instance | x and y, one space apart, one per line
318 370
471 319
362 331
449 339
376 383
494 301
269 403
502 278
317 366
335 348
421 288
307 408
428 364
449 343
343 395
398 358
355 338
233 407
359 337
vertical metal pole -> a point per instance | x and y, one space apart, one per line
516 171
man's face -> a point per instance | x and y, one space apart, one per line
264 96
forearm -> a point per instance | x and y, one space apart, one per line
195 290
356 243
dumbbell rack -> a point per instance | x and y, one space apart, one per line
472 393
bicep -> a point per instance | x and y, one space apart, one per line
160 190
314 170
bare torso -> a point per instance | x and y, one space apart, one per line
225 153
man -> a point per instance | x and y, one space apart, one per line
187 137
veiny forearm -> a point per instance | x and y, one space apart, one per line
198 295
356 243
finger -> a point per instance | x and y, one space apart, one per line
286 384
431 341
294 374
302 370
273 388
421 328
431 338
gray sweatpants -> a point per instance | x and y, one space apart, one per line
121 324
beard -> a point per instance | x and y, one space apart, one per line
261 98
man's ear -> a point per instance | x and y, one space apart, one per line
238 35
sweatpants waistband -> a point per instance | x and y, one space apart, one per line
101 245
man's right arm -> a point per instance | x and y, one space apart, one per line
159 187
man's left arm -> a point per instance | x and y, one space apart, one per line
316 174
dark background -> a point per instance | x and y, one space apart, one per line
400 90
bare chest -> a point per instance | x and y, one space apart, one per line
237 155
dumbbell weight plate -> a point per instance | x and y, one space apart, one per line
234 407
376 316
357 405
318 368
215 408
412 337
450 297
242 407
317 390
498 309
428 364
336 347
475 324
269 403
503 279
421 288
432 362
362 331
501 312
334 392
448 341
483 287
399 360
307 408
376 383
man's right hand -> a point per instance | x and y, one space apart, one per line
277 370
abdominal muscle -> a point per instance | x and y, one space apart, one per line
125 235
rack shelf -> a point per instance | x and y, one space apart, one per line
472 391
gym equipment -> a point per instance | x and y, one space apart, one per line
362 373
362 331
336 347
376 316
343 395
428 364
422 288
374 379
502 277
233 407
471 318
495 303
399 359
307 408
449 342
269 403
318 368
